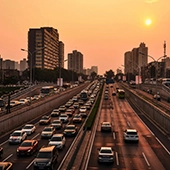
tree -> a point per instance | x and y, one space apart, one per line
93 75
109 74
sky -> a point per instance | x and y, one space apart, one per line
102 30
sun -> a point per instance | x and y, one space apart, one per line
148 22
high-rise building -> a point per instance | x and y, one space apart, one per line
61 54
136 59
75 61
23 64
43 48
94 69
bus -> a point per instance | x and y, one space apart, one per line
84 95
47 90
121 94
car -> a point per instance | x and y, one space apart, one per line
157 97
68 104
46 158
77 118
131 135
27 147
69 112
23 101
14 103
1 152
83 109
17 137
62 108
45 120
76 105
57 124
57 140
48 132
106 97
106 126
81 102
6 165
55 113
64 118
113 93
70 130
88 105
29 129
106 154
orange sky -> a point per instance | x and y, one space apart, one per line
102 30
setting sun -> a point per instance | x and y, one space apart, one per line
148 22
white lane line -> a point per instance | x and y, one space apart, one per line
145 159
124 115
36 135
128 123
30 164
114 136
4 143
163 145
117 159
7 158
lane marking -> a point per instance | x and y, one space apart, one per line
117 159
145 159
7 158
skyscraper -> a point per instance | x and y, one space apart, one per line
75 61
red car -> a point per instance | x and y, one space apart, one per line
27 147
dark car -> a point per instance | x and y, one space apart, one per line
27 147
46 158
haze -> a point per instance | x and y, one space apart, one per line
102 30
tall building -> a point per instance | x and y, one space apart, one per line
8 64
43 48
61 54
94 69
23 64
75 61
136 59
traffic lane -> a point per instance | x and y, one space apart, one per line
26 162
102 139
135 155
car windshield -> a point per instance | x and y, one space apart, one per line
131 133
56 121
44 155
47 129
56 138
28 127
44 118
63 116
105 151
70 127
16 134
26 144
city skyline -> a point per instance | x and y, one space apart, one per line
102 31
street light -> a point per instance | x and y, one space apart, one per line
156 68
31 55
59 82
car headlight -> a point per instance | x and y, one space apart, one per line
49 163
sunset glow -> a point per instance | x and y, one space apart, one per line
148 22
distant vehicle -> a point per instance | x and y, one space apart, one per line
57 140
131 135
70 130
17 137
157 97
77 118
45 120
47 90
29 129
113 93
106 154
106 126
62 108
55 113
27 147
64 118
14 103
109 80
48 132
84 95
106 97
57 124
23 101
121 94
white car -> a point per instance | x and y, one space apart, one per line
29 129
106 126
23 101
131 135
55 113
17 137
106 154
64 118
83 109
14 103
48 132
57 140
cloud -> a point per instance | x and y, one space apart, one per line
151 1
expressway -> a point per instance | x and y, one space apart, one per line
147 154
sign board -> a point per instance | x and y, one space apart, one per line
60 82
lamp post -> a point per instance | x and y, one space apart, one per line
31 55
60 73
156 68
